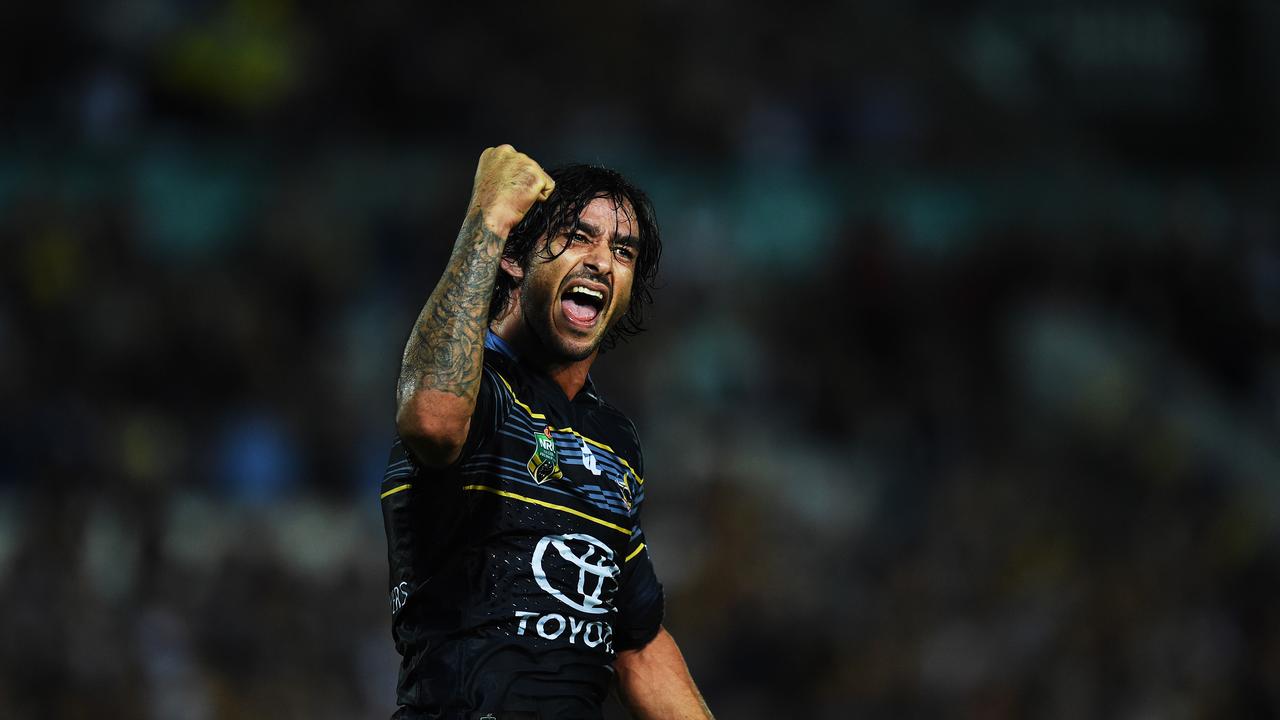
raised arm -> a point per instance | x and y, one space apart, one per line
655 684
440 371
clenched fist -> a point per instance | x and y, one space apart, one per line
508 183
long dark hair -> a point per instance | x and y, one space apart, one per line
576 187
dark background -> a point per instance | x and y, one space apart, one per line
961 397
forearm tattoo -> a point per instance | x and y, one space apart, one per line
446 350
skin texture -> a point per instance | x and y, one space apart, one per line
442 362
600 251
655 684
441 356
443 359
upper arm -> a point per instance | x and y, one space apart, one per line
654 681
439 434
641 604
632 662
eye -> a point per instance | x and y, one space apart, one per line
579 237
625 252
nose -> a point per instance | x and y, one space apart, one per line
599 258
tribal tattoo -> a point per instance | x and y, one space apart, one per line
446 350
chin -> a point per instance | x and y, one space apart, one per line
567 346
576 344
577 351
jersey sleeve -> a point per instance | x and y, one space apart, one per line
641 602
492 404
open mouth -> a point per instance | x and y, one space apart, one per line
582 305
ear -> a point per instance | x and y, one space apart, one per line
513 269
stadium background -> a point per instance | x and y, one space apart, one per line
961 397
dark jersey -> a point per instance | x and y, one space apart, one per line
519 571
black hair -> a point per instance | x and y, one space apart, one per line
576 187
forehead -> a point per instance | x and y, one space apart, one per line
609 217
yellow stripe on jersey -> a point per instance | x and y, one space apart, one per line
602 446
540 416
633 553
532 414
394 490
553 506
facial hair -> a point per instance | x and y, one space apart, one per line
540 325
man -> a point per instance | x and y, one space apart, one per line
520 581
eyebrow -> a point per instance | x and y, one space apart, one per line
594 231
591 230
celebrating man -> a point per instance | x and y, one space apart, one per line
520 581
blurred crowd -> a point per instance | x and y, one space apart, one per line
960 397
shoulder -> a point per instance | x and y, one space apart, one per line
495 360
500 372
609 413
619 431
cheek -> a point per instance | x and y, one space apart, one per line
539 284
623 301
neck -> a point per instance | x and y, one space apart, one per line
571 375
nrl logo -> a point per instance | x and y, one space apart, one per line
545 463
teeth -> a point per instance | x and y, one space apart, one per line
588 291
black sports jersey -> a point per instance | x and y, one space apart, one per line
520 570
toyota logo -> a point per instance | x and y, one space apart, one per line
581 561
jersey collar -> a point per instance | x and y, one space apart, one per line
492 341
495 343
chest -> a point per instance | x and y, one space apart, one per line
553 466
